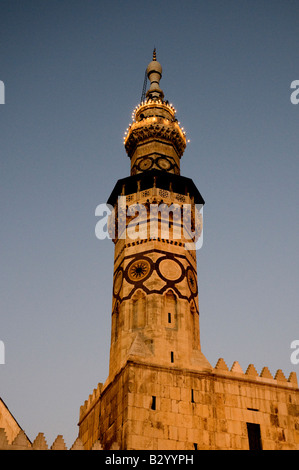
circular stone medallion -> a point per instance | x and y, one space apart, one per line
163 163
192 282
139 270
145 164
170 269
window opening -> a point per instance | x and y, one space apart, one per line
153 407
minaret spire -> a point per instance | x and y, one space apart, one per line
154 120
155 308
154 74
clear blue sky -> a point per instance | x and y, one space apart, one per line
73 72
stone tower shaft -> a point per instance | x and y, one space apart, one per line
156 223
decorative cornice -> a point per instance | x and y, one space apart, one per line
155 128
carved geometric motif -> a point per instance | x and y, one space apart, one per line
192 282
118 282
162 162
142 272
170 269
139 269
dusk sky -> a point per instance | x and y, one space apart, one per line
73 72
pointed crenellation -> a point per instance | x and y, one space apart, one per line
78 445
21 442
236 368
266 373
40 442
251 370
59 443
93 397
293 379
221 364
279 376
252 374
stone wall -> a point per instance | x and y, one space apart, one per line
157 408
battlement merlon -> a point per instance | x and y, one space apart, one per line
21 442
90 402
251 374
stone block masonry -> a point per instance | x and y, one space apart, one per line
155 408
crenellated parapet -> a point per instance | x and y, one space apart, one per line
21 442
251 373
91 401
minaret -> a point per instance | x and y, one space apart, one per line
155 341
155 311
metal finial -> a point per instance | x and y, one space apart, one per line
154 74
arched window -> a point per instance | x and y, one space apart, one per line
139 310
170 310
